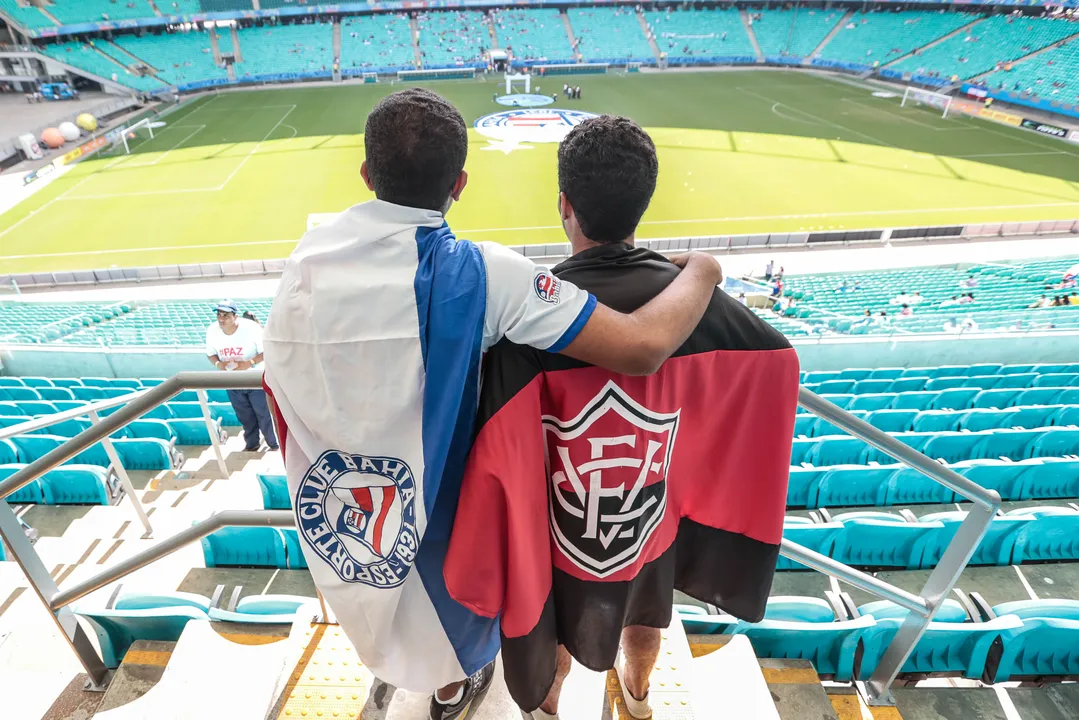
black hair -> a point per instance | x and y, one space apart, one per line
248 315
416 143
607 167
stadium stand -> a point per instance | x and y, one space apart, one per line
26 15
882 37
1053 74
85 57
700 35
41 322
373 42
533 35
793 33
987 45
170 323
223 5
609 35
71 12
285 49
179 7
453 39
179 58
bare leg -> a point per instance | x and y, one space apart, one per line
446 693
550 705
640 645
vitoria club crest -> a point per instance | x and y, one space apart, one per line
546 125
359 516
608 470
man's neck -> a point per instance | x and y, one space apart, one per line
580 243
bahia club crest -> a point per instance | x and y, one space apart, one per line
508 129
358 514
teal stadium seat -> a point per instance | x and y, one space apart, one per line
818 537
951 611
954 399
799 609
853 486
910 384
831 647
892 421
907 486
1041 647
946 648
996 548
293 552
31 493
1048 478
936 421
245 547
275 495
873 402
1058 442
882 540
116 630
1051 537
838 451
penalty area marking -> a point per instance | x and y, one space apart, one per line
123 251
198 129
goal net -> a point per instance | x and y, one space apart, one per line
918 96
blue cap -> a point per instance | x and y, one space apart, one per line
227 306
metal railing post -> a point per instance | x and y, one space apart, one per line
211 428
45 588
940 583
125 479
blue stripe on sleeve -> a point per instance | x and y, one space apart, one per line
576 326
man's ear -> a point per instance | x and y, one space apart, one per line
366 177
459 186
565 210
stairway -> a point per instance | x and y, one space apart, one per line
571 36
936 42
104 54
414 24
215 47
835 31
153 5
752 35
134 58
237 53
44 11
650 37
1024 58
337 50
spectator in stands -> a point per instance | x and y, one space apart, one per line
235 343
1073 299
373 352
768 269
954 300
969 283
725 555
1040 303
966 299
906 310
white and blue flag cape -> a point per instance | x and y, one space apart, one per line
373 349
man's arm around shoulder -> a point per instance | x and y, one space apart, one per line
638 343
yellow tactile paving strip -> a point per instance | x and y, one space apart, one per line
668 692
328 680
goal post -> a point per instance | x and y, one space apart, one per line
919 96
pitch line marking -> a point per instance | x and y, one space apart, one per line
875 140
256 148
32 213
776 112
198 129
150 249
1023 154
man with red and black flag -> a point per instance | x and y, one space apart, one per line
589 497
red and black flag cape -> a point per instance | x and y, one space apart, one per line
589 497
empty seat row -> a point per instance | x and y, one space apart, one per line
175 432
253 547
888 540
895 421
817 376
66 485
949 447
220 410
13 392
1022 640
163 616
956 399
140 454
884 485
914 384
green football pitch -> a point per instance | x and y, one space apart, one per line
236 175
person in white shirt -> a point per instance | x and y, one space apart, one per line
235 343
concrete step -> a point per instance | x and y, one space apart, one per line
834 31
748 25
938 41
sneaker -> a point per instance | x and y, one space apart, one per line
639 709
475 687
540 714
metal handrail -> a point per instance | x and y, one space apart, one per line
922 607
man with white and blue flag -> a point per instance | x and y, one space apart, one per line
373 351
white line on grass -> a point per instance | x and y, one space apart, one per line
198 129
777 113
141 193
149 249
256 148
892 115
32 213
818 118
1024 154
